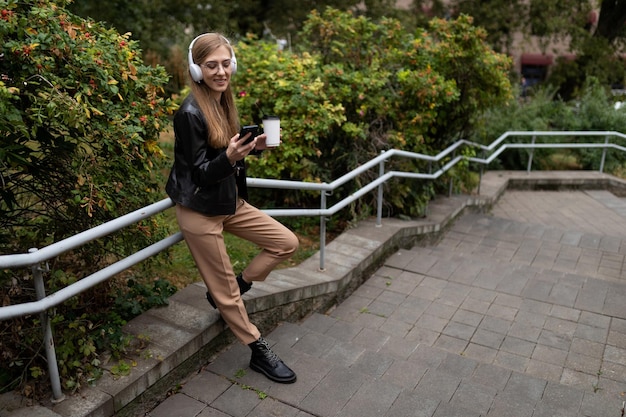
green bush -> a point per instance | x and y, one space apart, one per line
355 88
592 110
80 116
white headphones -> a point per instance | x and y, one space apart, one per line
196 71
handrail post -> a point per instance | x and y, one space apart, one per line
379 208
530 158
451 185
48 341
480 174
606 142
322 231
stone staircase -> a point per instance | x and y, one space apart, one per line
495 319
484 306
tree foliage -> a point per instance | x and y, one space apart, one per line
597 48
164 27
500 18
549 20
159 24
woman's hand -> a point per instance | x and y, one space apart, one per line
260 142
236 150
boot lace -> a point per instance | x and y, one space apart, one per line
268 352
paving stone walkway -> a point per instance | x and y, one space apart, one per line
520 312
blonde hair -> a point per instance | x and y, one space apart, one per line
222 118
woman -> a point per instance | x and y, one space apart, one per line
208 184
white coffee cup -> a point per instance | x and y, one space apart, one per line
271 127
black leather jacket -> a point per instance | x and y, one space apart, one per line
202 178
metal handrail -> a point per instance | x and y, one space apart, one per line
36 257
73 242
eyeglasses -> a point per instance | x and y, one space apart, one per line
214 66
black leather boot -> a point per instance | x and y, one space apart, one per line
244 287
265 361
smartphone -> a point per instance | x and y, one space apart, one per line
252 129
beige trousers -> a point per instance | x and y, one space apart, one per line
204 237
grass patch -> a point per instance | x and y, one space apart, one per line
563 160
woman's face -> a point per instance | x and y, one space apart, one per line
217 69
